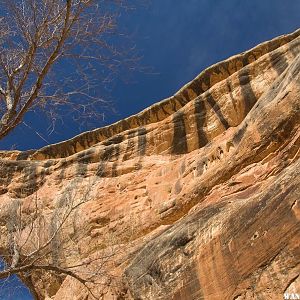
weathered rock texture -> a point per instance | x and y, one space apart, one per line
200 190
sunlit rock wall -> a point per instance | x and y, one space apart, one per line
200 191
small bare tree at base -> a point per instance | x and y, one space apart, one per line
41 245
52 54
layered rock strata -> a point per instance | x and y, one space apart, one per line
201 190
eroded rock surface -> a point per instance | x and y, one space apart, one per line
201 190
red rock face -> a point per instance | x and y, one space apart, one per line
199 191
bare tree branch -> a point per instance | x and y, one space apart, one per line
40 40
32 246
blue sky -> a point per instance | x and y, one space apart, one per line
177 39
13 289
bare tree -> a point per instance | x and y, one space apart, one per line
38 242
52 54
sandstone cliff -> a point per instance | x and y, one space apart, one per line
200 191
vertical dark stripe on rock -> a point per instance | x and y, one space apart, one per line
154 111
164 111
196 87
24 155
61 175
49 152
81 168
231 95
183 100
294 48
100 172
29 182
62 167
114 170
278 61
215 106
8 168
83 159
130 144
104 157
245 59
125 125
247 91
179 143
240 134
200 115
142 141
107 153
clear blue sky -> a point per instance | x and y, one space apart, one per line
178 39
13 289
